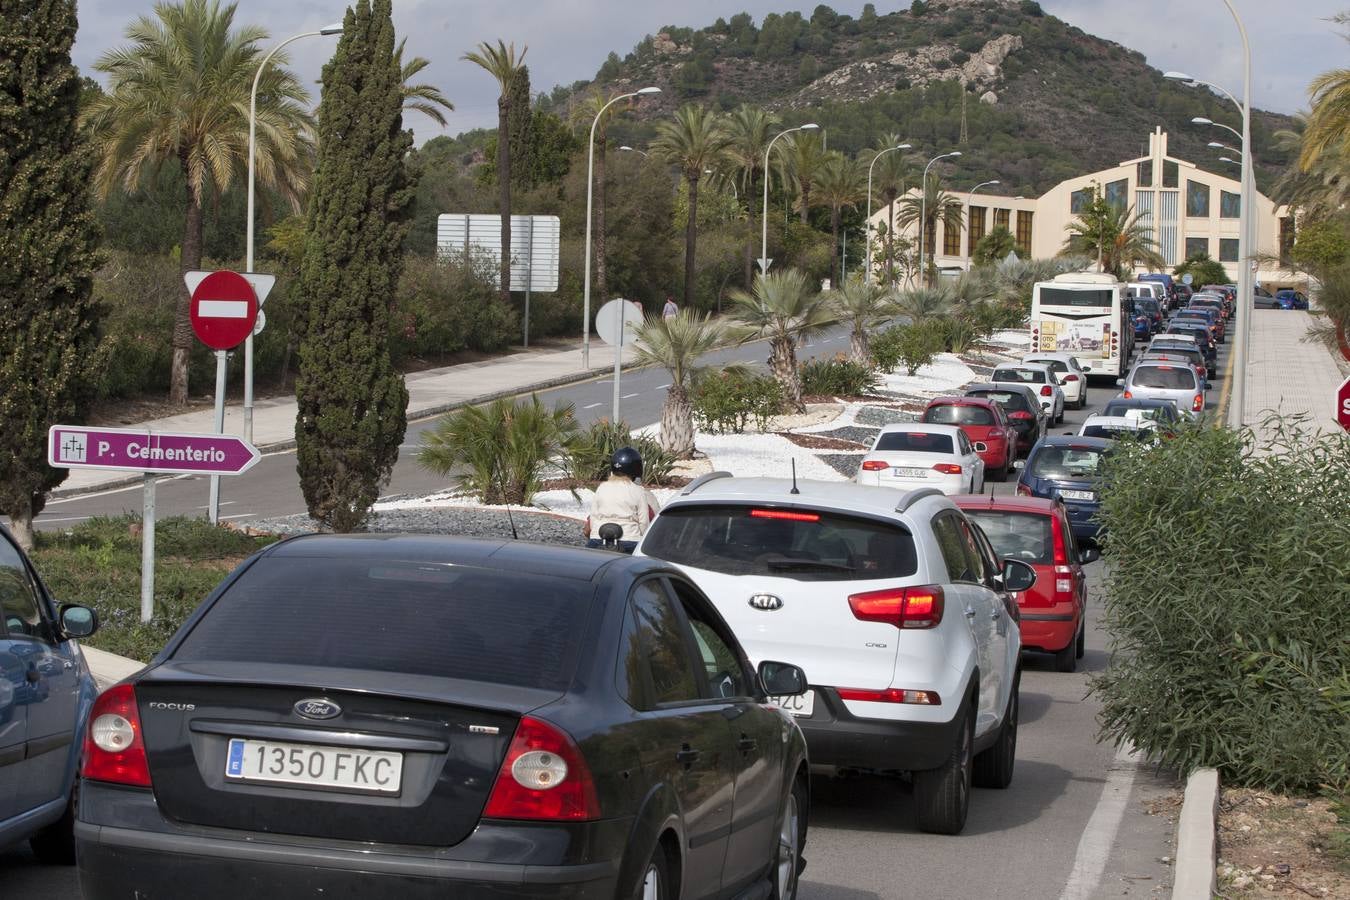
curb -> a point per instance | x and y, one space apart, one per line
109 668
417 415
1197 838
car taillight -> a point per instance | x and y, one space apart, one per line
874 465
911 607
1023 490
784 514
1057 534
1068 378
947 468
113 748
1046 391
1021 414
1198 403
891 695
1127 395
543 777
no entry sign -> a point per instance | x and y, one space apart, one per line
224 309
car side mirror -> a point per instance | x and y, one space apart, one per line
1089 555
1120 382
1087 368
779 679
1017 575
78 621
1019 464
981 447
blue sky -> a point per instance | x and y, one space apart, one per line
568 39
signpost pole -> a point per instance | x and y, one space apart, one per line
148 547
213 504
618 357
529 277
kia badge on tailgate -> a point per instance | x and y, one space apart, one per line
766 602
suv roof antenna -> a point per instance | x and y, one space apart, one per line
794 477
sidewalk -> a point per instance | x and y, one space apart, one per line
430 392
1289 374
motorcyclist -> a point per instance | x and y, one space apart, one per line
620 500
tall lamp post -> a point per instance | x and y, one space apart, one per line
970 199
764 235
867 272
335 28
590 178
626 148
923 205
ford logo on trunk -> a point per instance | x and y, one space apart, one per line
766 602
318 709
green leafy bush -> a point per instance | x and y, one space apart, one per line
911 346
1226 595
837 377
507 447
591 448
446 306
725 401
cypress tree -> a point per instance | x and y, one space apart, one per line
520 125
49 346
352 403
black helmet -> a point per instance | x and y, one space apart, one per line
627 461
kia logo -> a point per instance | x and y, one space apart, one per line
766 602
318 709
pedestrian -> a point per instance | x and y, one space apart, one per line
620 500
670 310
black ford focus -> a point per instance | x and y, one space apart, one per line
418 716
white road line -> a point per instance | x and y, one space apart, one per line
627 396
222 503
119 490
592 406
1094 848
236 516
663 387
43 519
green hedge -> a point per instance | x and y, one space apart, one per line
726 401
1227 593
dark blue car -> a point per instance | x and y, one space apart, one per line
46 691
1291 299
1067 468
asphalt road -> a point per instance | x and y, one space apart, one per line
1074 824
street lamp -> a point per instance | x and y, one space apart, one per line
731 181
629 149
764 236
335 28
590 178
867 272
1227 160
923 203
970 199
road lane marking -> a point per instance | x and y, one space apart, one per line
116 490
41 519
222 503
1221 411
663 387
591 406
237 516
1094 848
627 396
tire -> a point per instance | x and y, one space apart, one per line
994 767
1001 473
55 844
786 873
1066 660
656 884
1080 645
942 795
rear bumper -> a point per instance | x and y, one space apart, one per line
1048 630
836 737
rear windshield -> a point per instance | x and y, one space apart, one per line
1174 378
809 546
1148 304
952 414
1066 462
1054 365
413 618
1016 535
1113 432
1026 376
1092 297
914 442
1145 413
1009 400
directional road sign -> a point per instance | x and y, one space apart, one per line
139 450
224 309
617 322
1343 404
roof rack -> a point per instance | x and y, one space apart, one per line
909 498
701 481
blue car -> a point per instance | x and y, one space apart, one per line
1291 299
46 692
1067 468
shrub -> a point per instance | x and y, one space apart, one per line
911 346
507 446
724 402
589 452
444 307
1226 596
838 377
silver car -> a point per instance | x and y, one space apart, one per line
1164 381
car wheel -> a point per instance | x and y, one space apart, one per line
1066 660
942 795
787 865
994 767
55 844
1001 473
1080 645
656 882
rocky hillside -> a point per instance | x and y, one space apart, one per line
1043 100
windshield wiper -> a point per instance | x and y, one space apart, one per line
783 562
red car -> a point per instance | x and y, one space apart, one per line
985 423
1036 531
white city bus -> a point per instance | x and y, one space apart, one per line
1086 314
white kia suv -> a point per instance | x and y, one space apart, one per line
894 605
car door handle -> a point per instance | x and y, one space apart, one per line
687 756
970 612
993 613
747 744
33 676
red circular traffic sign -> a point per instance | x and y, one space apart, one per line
224 310
1343 404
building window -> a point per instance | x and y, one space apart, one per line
1287 235
1118 193
1170 173
1197 247
1197 199
1001 218
975 230
1228 249
1023 242
1145 176
951 239
1080 200
1230 205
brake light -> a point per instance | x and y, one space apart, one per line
891 695
543 777
1046 391
784 514
1198 403
1127 395
947 468
874 465
1023 490
1068 378
1057 534
1020 414
911 607
113 748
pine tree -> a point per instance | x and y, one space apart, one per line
49 347
352 402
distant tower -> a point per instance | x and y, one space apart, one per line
965 132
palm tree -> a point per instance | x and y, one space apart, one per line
749 130
583 114
1328 129
924 304
801 162
840 184
865 307
676 345
424 98
783 308
1114 235
933 204
692 139
1324 187
179 95
502 64
994 246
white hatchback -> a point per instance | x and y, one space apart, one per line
918 454
1071 373
1039 378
